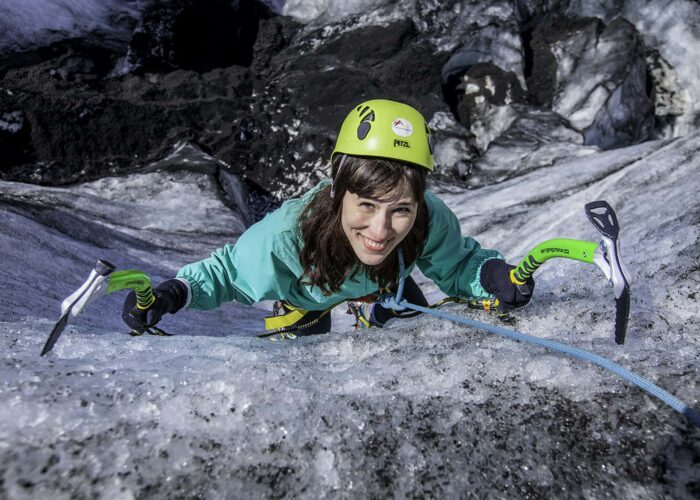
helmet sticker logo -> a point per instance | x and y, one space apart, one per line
402 127
364 127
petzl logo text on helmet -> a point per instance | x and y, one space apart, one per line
402 127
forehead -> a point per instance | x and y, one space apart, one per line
399 194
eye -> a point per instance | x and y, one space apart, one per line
366 204
403 211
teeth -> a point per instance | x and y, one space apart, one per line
374 244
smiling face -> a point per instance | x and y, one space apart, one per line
374 226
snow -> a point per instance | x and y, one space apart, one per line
422 407
31 23
317 13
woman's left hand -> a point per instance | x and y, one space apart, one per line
495 278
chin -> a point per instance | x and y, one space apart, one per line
372 260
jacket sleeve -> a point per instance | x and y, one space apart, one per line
212 280
451 260
249 271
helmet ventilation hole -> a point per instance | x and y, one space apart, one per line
363 130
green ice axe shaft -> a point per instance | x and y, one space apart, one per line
559 247
606 255
103 279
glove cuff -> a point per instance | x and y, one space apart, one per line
490 270
173 293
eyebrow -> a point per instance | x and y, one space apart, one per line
401 202
405 201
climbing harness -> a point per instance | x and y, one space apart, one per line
287 321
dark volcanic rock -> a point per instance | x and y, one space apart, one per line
87 56
669 101
595 76
272 123
363 63
197 35
81 131
313 82
266 95
483 97
483 86
491 49
541 73
15 138
79 124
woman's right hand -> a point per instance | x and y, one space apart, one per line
170 297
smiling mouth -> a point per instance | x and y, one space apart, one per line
374 246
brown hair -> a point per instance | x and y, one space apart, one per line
327 256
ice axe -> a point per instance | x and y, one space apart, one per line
606 255
103 279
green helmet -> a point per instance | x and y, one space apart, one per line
386 129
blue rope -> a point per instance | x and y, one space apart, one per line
395 302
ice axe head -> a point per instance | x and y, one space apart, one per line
607 258
95 286
103 279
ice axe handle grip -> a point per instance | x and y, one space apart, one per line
523 272
134 280
145 299
523 287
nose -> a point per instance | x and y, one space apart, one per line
381 225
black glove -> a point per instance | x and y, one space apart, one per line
170 296
495 278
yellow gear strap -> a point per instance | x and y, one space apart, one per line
515 280
285 320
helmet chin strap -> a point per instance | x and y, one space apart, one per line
340 167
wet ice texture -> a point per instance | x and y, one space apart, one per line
424 407
671 27
26 24
601 84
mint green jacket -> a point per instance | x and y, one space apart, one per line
264 263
